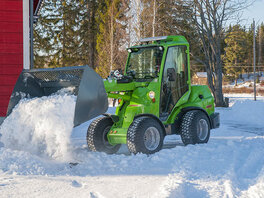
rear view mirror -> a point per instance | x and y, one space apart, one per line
171 74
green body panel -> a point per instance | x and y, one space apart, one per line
135 98
135 101
206 103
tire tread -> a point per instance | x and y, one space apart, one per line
91 136
134 136
188 130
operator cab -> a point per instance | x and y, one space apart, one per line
145 64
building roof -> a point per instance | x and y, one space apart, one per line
201 74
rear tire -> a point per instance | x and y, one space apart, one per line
145 135
97 136
195 128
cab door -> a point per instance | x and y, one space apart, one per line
174 80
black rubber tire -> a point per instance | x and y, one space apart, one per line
189 127
96 136
136 132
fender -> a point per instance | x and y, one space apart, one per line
185 109
114 118
154 117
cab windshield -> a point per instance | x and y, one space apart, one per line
145 62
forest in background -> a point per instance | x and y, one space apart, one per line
97 33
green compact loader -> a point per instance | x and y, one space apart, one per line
155 97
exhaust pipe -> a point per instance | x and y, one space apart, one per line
88 87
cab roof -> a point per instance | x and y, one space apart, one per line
161 41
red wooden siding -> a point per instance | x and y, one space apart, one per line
11 48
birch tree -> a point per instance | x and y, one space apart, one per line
209 18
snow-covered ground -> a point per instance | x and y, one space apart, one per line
247 81
39 155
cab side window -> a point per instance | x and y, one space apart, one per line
175 77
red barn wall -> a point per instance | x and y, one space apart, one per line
11 48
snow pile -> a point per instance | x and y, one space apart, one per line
41 126
246 112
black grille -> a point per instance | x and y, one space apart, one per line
57 77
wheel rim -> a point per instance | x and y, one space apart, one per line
151 138
105 140
202 130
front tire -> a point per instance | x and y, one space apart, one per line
97 136
195 128
145 135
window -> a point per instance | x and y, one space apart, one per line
173 89
145 62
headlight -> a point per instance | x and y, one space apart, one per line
152 94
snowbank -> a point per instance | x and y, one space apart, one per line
246 112
41 126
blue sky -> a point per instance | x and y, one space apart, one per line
255 11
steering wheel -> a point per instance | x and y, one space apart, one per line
116 75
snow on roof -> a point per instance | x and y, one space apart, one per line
201 74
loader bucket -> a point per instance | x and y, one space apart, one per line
88 87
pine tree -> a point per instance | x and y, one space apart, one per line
67 35
249 49
88 31
235 51
259 47
44 36
112 36
56 37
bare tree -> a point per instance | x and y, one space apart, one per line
157 18
154 18
209 19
